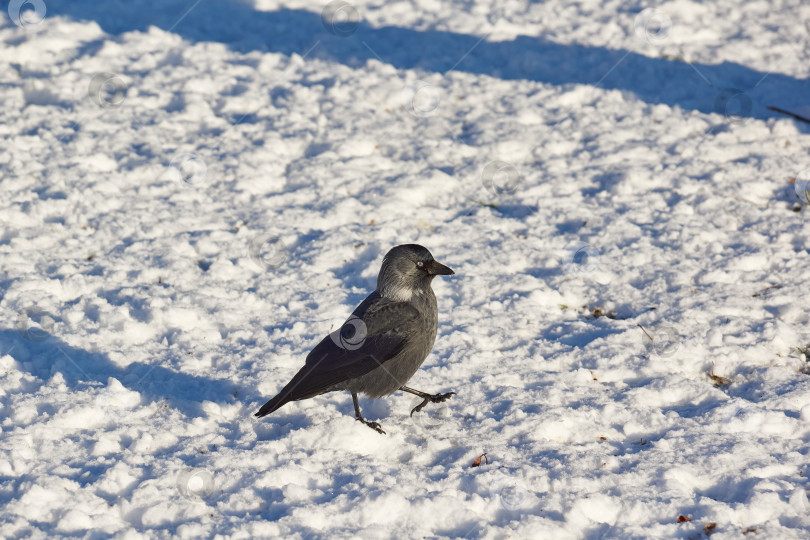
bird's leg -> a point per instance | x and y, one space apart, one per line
428 398
373 425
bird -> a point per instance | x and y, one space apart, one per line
383 342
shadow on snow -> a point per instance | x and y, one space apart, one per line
672 82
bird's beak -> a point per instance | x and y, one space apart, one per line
436 268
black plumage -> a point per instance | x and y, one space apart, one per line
383 342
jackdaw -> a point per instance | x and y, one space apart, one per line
382 343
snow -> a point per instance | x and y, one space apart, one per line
194 194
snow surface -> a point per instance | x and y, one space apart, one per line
194 193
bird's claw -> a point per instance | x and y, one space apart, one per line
436 398
373 425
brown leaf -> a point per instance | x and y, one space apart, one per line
477 461
717 380
709 528
682 519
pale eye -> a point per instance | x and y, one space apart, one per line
420 264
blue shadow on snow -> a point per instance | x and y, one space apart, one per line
83 369
695 86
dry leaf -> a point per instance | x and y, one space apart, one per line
682 519
477 461
717 380
709 528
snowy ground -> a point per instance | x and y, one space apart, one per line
194 193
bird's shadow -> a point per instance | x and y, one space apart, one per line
44 356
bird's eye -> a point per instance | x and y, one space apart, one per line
420 264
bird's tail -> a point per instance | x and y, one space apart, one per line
273 404
304 385
292 392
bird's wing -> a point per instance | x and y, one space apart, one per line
377 330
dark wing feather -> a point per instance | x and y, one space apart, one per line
377 330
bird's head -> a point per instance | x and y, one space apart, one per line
408 269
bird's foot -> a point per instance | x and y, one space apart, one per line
373 425
435 398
